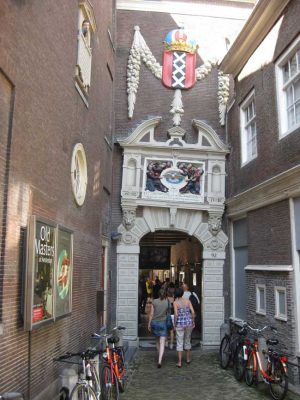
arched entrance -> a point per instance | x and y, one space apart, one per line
179 187
169 256
213 242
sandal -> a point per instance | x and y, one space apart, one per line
178 365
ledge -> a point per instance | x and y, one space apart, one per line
270 268
263 17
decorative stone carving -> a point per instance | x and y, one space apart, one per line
214 223
129 215
205 69
173 212
223 95
177 108
139 50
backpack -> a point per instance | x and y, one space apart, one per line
195 303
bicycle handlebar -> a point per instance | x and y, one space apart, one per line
89 353
259 331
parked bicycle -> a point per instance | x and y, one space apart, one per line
231 341
11 396
88 385
275 374
113 372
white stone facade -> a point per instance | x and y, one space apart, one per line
197 214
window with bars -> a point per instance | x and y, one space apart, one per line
248 129
280 303
288 89
261 299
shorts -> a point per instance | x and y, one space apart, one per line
159 328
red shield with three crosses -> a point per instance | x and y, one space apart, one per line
179 60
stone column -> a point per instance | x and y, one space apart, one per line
127 291
212 302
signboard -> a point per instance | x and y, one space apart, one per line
48 277
63 281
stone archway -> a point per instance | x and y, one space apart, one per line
194 223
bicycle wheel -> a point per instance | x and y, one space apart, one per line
250 370
279 386
109 384
239 363
96 383
121 369
225 352
83 392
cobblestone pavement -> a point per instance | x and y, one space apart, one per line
202 379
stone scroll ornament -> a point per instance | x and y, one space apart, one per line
178 71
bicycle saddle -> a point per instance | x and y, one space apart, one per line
113 339
272 342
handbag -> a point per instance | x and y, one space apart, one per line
169 321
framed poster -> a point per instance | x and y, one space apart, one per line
64 273
48 283
41 245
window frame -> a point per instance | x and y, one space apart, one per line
259 309
278 315
243 131
281 88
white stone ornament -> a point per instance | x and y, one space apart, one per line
140 51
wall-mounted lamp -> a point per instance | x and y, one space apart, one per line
115 235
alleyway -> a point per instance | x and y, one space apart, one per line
202 379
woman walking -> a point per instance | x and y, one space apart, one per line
158 323
184 322
170 298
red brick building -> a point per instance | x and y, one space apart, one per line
56 107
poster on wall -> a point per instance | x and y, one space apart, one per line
48 287
64 267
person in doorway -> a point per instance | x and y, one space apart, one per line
170 298
149 290
158 323
184 322
143 296
156 288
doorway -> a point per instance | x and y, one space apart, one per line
171 256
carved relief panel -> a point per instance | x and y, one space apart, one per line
173 179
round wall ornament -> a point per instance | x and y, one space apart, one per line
79 173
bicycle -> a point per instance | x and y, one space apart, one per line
113 372
240 357
88 385
276 372
230 342
11 396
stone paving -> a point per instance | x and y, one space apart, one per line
202 379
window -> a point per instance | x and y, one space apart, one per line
248 130
280 303
261 299
288 89
86 28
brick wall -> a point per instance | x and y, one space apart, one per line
269 235
38 54
285 152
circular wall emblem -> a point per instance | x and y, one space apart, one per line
79 173
173 178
